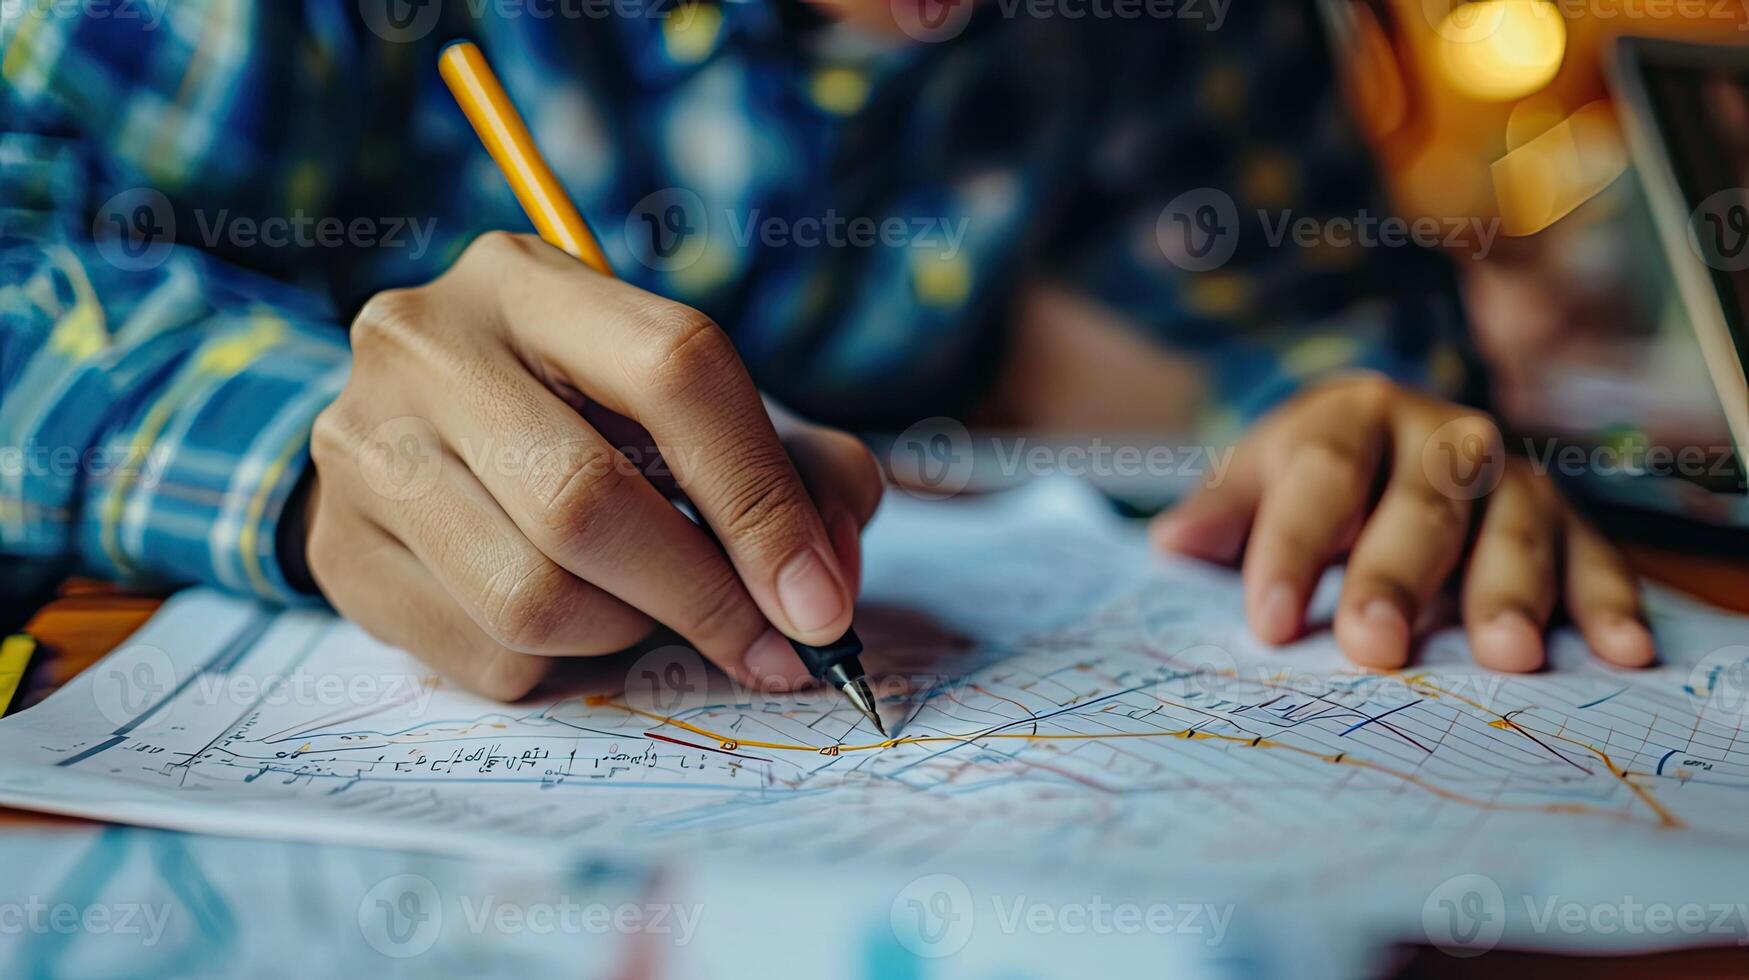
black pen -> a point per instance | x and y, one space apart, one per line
837 664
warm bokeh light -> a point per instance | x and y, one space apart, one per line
1496 50
1547 177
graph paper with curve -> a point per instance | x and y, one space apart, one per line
1056 693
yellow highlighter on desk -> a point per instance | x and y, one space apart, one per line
483 100
16 652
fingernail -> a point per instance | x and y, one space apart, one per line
1378 637
772 663
1629 642
1383 614
810 596
1510 641
1279 614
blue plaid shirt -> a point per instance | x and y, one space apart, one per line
196 196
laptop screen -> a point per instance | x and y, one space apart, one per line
1686 108
1703 115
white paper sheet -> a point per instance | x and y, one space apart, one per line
1070 701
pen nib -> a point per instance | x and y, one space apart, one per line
859 694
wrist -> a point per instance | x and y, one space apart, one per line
292 536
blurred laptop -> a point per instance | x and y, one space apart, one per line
1685 110
1682 214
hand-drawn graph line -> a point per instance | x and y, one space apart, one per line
1439 742
1663 816
1504 721
228 656
462 728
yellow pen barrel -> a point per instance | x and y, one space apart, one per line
483 100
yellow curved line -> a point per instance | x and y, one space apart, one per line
1342 759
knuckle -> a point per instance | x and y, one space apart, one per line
684 349
333 438
1434 513
761 503
578 492
615 633
1328 464
505 675
1294 543
494 246
391 319
1525 540
1541 490
525 606
1475 425
1372 393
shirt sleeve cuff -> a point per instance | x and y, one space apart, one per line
215 468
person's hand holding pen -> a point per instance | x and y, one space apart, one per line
522 531
474 501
